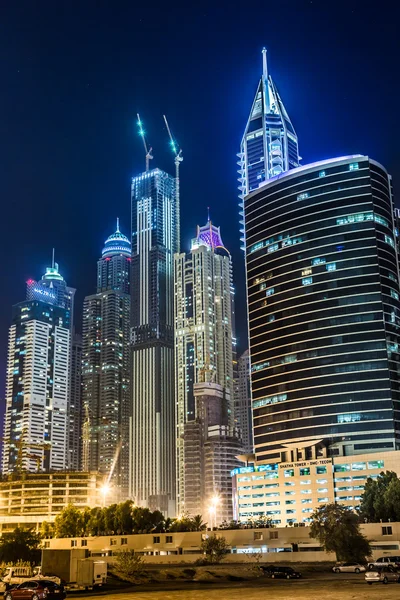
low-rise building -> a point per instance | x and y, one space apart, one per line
37 497
277 544
288 492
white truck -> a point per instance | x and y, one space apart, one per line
74 568
16 574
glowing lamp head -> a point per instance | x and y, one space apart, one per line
105 489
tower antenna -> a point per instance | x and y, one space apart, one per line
149 155
52 260
265 79
178 160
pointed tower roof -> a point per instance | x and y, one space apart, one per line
209 235
115 244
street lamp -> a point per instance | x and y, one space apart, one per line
105 490
215 500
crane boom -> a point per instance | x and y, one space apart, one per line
142 134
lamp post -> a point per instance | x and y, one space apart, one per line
105 490
215 500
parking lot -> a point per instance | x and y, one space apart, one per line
321 586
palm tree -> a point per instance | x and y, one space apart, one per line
198 523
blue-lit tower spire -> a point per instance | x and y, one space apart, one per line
269 145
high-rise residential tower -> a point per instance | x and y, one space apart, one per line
75 405
154 242
105 370
243 410
324 311
37 385
204 342
269 145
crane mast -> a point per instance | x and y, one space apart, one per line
178 160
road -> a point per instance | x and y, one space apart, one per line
323 586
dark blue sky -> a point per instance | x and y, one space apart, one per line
74 75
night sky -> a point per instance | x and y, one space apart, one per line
74 75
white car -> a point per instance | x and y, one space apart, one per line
348 567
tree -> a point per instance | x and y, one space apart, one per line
20 544
123 516
68 523
337 529
198 523
381 498
214 548
146 521
128 565
47 530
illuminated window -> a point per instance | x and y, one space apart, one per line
331 267
394 294
306 272
321 470
341 468
303 196
306 281
323 499
318 261
381 220
305 471
306 501
353 167
322 174
389 240
270 291
358 466
375 464
289 473
305 492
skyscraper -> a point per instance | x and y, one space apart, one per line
37 385
323 301
75 405
105 371
154 242
243 410
204 338
269 145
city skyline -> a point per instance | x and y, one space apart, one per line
90 106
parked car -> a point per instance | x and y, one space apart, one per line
348 567
36 589
382 575
276 572
384 561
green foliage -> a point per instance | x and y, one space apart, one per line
128 566
381 498
68 523
337 529
214 548
20 545
187 523
46 530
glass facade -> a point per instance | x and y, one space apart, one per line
325 367
269 145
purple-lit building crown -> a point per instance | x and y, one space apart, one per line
208 235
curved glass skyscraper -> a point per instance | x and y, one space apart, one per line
324 311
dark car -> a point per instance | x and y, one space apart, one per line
281 572
36 589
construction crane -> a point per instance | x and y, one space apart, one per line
149 155
22 445
178 160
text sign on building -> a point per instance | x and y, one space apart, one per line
306 463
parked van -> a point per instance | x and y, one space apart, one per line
394 561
